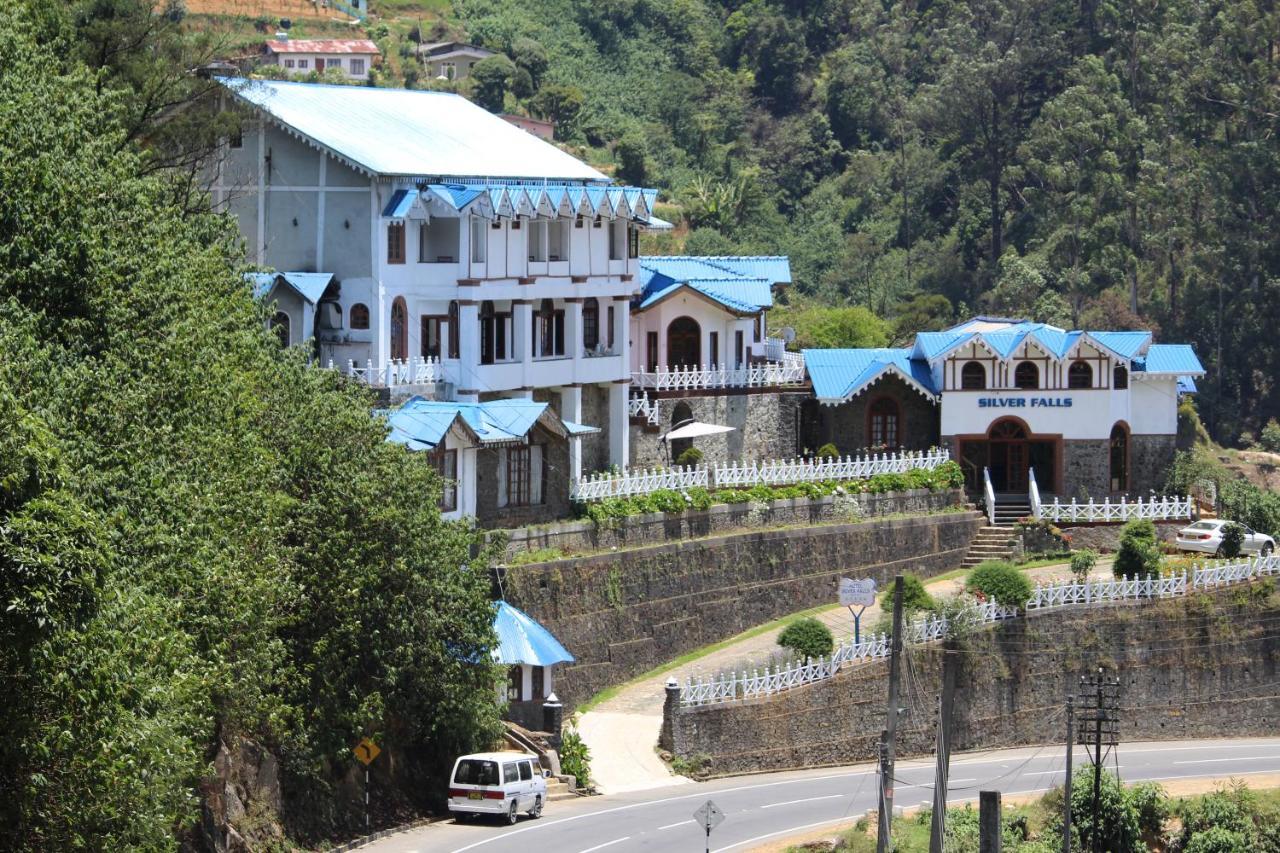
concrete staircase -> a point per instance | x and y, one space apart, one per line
560 786
991 543
1009 511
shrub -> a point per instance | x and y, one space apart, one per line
1270 436
1232 541
807 637
1000 581
914 596
575 757
829 451
1139 556
689 456
1082 562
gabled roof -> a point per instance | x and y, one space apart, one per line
838 374
343 46
742 285
409 133
1003 337
1169 360
447 48
522 639
421 424
507 199
309 285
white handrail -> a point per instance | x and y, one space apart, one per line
1033 493
413 371
727 687
642 406
770 472
1163 508
694 378
989 494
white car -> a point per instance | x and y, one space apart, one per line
1206 538
499 783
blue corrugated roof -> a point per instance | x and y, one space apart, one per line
1186 385
1123 344
420 424
309 285
1178 359
737 283
509 198
776 269
579 429
838 374
521 639
409 132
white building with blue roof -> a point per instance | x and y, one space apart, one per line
1089 412
461 258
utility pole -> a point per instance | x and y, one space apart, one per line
1066 798
1099 727
938 827
883 840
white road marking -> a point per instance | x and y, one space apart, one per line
678 823
805 800
1239 758
782 832
608 844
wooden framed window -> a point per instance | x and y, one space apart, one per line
399 330
395 243
591 323
430 329
651 351
713 357
359 316
884 421
454 338
633 242
739 341
280 325
1079 375
515 683
610 317
1026 375
520 476
973 376
1120 377
446 465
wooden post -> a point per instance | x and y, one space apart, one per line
989 837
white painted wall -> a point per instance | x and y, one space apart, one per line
709 317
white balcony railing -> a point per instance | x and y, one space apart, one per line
770 349
643 407
413 371
700 378
771 472
1156 509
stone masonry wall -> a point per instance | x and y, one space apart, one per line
577 537
845 425
1086 469
1149 459
622 613
1105 538
555 486
764 427
1197 667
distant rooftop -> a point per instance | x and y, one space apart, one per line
354 46
741 283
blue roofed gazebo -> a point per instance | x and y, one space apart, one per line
531 653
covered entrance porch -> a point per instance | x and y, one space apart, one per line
1008 451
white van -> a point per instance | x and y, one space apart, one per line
501 783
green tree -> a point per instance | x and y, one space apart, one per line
632 153
491 78
807 637
1138 555
999 581
914 596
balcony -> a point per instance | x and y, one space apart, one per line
713 378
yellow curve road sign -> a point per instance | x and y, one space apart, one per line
366 750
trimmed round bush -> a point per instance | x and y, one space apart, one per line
914 596
999 581
828 451
1139 555
808 638
689 456
1232 541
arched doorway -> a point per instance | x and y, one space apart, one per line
399 330
1119 458
280 325
1007 446
684 343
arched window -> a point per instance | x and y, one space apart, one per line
884 423
453 330
359 316
1026 375
1119 458
1079 375
399 330
591 323
684 343
1120 377
973 376
1007 431
280 325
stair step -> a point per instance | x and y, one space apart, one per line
561 795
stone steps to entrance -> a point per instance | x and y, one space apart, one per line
993 542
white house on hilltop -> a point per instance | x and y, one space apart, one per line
353 57
450 255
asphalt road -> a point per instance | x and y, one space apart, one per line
761 808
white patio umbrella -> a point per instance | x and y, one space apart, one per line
695 429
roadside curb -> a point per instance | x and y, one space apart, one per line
356 843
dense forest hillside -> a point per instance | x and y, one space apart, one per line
1107 163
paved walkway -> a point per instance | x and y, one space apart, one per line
622 732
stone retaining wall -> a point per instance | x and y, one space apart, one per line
765 425
1197 667
579 537
625 612
1105 538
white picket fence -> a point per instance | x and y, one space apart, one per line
1156 509
699 378
413 371
774 472
734 686
728 687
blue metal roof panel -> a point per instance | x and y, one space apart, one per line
504 419
740 294
579 429
310 285
262 282
410 132
774 268
521 639
1123 344
398 205
1186 385
837 374
1177 359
